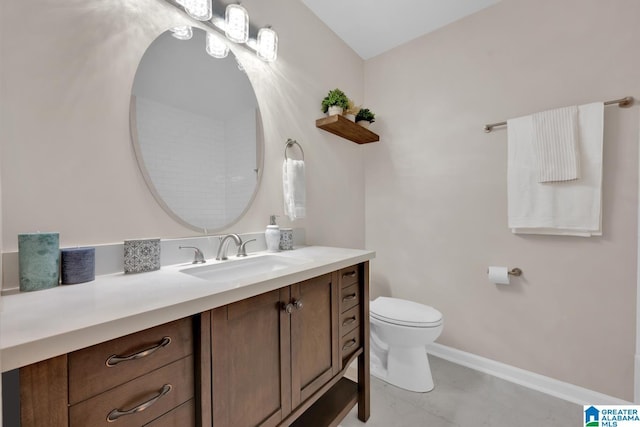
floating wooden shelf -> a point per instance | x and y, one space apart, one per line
338 125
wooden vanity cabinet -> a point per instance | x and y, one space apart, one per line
278 359
314 336
350 311
273 351
275 359
103 385
251 381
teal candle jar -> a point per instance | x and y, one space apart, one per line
39 261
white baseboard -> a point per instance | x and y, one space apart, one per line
550 386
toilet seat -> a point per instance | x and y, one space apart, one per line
404 313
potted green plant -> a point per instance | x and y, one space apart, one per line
335 102
365 117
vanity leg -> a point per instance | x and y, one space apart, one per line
43 390
364 378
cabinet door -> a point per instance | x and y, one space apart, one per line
251 360
314 335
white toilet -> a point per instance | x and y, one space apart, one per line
400 331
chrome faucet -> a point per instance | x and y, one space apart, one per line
242 249
224 244
198 256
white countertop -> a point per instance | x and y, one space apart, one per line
35 326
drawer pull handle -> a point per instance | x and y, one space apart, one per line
349 274
114 359
117 413
349 298
348 345
349 321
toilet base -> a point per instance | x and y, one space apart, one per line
406 367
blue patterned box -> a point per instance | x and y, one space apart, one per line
286 239
141 255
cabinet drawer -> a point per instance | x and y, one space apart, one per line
350 343
348 276
349 320
349 297
183 416
141 391
89 370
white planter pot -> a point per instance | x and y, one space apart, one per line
364 123
335 110
351 117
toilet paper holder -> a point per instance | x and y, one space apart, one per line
515 272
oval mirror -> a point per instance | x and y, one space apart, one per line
196 131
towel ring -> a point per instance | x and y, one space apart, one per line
290 142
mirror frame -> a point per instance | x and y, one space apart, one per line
260 148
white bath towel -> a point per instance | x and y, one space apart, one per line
293 186
555 140
566 208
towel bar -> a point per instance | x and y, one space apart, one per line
622 102
290 142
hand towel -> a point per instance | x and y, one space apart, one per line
555 140
568 208
293 186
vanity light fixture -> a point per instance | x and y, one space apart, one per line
183 32
267 48
197 9
216 47
236 23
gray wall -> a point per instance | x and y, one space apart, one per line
436 207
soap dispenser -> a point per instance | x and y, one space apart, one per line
272 235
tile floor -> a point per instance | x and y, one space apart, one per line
465 398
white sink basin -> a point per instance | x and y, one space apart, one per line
238 269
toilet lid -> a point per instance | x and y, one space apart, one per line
403 312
